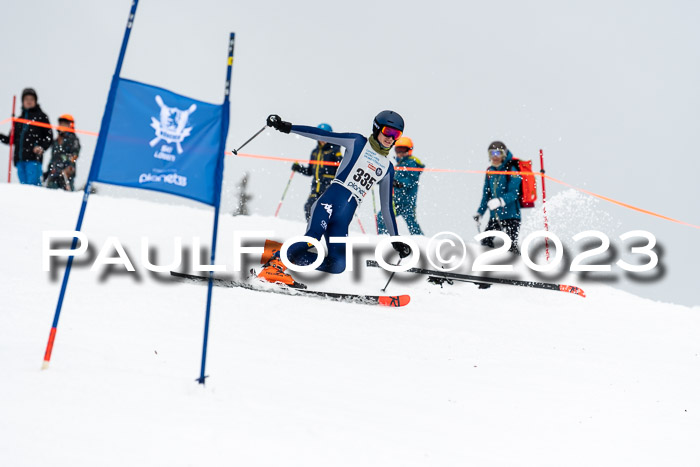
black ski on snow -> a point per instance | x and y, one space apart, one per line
381 300
491 280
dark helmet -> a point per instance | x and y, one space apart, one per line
29 92
387 118
497 145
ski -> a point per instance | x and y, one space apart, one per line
380 300
491 280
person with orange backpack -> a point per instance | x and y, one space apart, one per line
501 196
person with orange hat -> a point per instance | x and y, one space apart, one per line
405 186
64 153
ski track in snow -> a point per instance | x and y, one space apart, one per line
497 377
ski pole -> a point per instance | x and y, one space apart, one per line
235 151
374 207
498 221
391 276
544 208
358 221
12 140
285 191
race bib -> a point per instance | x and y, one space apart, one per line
369 168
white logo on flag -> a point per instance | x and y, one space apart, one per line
172 127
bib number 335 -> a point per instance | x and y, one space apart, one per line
364 178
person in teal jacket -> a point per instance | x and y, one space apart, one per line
501 195
405 186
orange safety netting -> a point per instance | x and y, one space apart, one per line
619 203
489 172
48 125
409 169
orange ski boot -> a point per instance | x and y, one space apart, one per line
273 271
271 247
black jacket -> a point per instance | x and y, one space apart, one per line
28 136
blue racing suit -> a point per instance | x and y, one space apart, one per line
361 167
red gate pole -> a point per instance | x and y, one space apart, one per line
544 208
12 139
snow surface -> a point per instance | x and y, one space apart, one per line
461 376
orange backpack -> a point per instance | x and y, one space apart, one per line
528 185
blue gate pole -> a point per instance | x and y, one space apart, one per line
217 199
94 169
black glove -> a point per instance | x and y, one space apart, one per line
398 184
477 218
403 249
4 139
276 122
296 167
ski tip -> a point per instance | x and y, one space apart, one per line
394 300
572 289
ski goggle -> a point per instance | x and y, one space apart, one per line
391 132
496 153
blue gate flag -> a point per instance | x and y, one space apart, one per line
162 141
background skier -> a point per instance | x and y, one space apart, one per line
405 186
501 197
64 153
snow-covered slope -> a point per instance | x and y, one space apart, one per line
461 376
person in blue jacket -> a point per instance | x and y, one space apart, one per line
366 162
322 168
501 197
405 186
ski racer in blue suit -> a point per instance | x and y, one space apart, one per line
365 163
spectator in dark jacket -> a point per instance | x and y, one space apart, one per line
322 174
64 153
31 141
